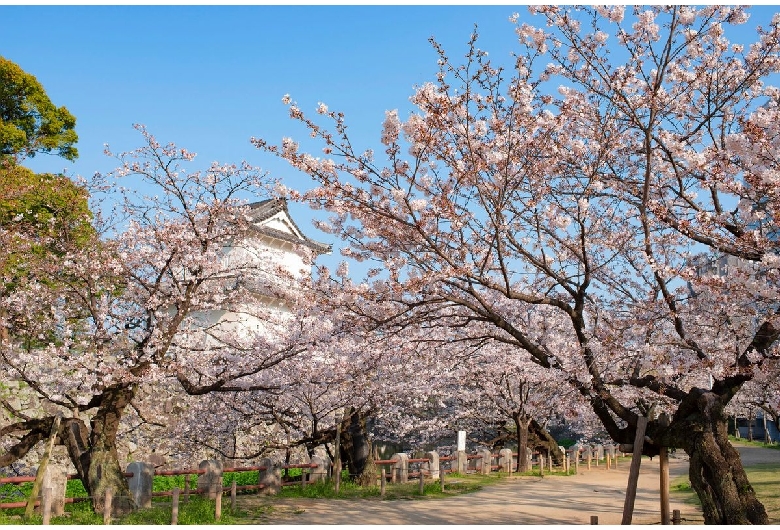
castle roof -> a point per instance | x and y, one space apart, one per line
271 218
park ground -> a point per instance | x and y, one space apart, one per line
527 500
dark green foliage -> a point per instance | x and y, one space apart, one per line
29 122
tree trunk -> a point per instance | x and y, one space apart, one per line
521 424
716 471
95 456
542 441
355 448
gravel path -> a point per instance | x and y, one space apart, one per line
516 500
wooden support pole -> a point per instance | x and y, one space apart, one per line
441 475
175 507
541 465
676 519
218 504
549 461
609 462
186 488
107 501
233 497
422 481
664 459
30 508
382 481
633 474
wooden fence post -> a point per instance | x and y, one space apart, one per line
382 481
175 507
676 519
233 496
186 488
664 462
107 500
218 504
594 519
422 481
441 476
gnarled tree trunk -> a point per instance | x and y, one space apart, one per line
354 446
541 440
94 454
716 471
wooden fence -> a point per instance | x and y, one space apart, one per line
269 478
399 468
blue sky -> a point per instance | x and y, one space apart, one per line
208 78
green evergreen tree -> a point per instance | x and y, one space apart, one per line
29 122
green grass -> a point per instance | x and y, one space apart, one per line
196 511
455 484
754 443
201 511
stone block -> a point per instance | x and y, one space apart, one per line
400 470
140 483
433 464
210 482
270 477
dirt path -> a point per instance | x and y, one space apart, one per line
516 500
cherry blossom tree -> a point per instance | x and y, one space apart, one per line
589 204
134 308
502 388
760 393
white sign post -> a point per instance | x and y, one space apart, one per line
461 440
